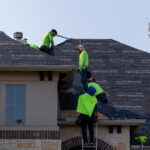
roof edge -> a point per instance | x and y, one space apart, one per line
37 68
132 122
135 147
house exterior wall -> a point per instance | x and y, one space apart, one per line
40 97
73 114
118 141
30 144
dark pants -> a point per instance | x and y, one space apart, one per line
102 98
86 120
84 82
47 50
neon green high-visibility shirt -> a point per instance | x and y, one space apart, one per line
99 90
141 139
86 104
34 46
48 39
83 60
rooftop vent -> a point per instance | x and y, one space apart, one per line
18 35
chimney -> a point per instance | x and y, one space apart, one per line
18 36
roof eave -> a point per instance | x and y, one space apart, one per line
131 122
38 68
126 122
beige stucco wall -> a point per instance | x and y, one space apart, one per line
30 144
40 97
120 141
116 140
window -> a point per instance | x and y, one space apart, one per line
111 129
118 129
41 75
50 75
15 104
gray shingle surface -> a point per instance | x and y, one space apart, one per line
69 99
16 53
122 71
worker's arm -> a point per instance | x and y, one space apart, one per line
51 40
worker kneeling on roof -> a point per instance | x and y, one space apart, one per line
47 41
83 65
87 104
100 93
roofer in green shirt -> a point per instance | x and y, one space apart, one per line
47 42
87 105
83 65
100 93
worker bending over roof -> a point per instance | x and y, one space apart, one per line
100 93
47 42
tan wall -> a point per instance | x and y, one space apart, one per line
30 145
24 76
40 97
67 132
72 114
118 141
41 104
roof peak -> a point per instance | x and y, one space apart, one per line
2 33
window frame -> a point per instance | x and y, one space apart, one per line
24 119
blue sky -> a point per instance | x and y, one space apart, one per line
123 20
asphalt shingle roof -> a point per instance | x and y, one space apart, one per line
122 71
69 99
13 52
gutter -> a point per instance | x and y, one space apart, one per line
133 122
138 147
123 122
38 68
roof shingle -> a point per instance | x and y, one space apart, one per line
122 71
15 53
